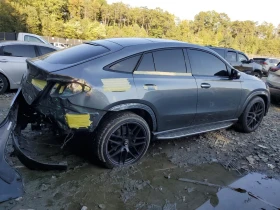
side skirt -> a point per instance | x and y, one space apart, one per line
192 130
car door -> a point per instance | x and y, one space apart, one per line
231 57
13 61
218 96
164 82
244 64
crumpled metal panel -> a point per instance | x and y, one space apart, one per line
10 181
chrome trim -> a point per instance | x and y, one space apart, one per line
162 73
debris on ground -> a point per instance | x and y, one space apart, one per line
251 160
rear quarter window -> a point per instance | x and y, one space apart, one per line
45 50
75 54
127 65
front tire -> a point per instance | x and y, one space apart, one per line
122 139
252 116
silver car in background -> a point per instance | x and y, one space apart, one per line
266 63
273 81
13 55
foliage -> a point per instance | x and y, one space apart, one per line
96 19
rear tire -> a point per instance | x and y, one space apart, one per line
122 139
252 116
3 84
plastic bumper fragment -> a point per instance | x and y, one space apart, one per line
11 186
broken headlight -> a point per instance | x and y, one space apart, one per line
69 89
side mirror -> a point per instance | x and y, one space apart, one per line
235 74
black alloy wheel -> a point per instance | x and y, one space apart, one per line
255 115
122 139
126 143
252 116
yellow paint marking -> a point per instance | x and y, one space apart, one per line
61 89
116 85
78 120
41 84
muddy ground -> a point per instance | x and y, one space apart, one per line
220 157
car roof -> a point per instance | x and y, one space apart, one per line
127 42
2 43
115 44
225 48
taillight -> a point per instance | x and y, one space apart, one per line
264 63
274 69
69 89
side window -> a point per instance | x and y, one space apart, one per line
170 61
147 63
242 57
19 51
206 64
31 39
231 56
45 50
127 65
221 52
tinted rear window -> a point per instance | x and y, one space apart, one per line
126 65
259 60
45 50
75 54
147 63
19 51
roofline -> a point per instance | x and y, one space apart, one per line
10 42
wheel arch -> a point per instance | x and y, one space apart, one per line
142 110
261 93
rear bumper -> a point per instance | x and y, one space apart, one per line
62 111
11 186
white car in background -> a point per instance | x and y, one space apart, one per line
13 55
273 81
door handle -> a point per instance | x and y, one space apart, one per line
150 87
3 61
205 85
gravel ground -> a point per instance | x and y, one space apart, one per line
236 152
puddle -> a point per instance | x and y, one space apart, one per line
255 184
151 184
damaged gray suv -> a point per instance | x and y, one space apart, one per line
127 91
